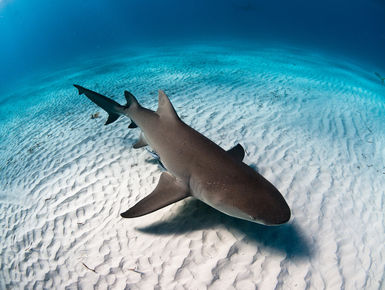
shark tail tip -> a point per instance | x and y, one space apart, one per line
80 89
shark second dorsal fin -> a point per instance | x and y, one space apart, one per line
237 152
168 191
165 108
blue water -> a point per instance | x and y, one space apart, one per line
43 34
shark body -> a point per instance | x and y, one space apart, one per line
195 165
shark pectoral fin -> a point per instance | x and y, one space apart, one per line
237 152
141 142
168 191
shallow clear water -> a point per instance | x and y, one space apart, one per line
311 123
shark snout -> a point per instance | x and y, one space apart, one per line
268 207
279 214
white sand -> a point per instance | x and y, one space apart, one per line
312 125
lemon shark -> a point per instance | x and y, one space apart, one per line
195 165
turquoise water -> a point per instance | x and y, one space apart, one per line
311 123
41 35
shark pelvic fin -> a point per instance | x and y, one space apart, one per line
157 158
141 142
168 191
237 152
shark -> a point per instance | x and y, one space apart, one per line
195 165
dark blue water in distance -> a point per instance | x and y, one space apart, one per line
40 34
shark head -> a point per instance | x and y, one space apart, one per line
263 207
253 199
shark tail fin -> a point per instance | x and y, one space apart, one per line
113 108
81 90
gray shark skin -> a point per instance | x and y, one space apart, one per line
195 165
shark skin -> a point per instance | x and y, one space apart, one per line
195 165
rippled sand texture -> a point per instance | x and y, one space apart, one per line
312 125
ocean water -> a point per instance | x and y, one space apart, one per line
44 36
297 84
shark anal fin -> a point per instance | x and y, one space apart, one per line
168 191
141 142
237 152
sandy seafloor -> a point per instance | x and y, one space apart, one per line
311 124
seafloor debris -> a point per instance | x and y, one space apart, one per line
93 270
95 116
136 271
34 147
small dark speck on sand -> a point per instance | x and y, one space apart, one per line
93 270
136 271
95 116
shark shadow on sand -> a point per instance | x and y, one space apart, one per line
195 215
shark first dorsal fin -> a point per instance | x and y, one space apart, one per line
165 108
168 191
